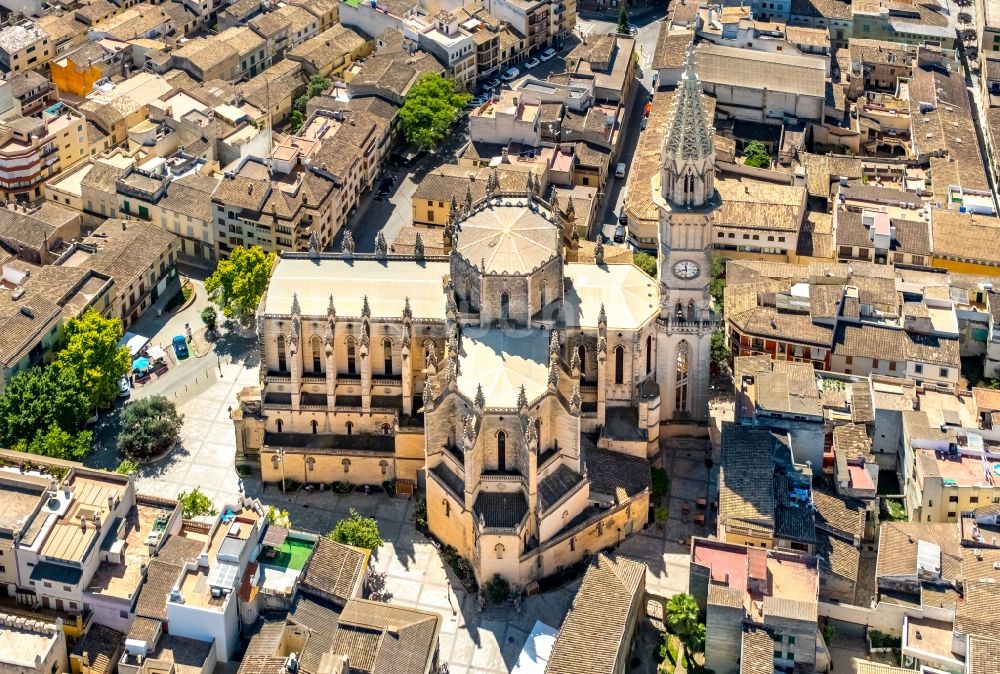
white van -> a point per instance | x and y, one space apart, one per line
620 170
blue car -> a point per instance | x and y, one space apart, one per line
180 347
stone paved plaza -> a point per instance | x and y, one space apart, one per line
477 641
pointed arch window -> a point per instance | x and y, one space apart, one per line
350 427
282 356
681 377
352 358
543 294
315 426
619 364
317 350
505 306
582 352
649 354
501 451
387 356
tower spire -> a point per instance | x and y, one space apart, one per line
688 146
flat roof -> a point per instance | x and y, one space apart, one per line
20 647
503 361
20 496
74 533
930 636
386 284
122 580
630 297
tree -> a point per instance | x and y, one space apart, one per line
195 503
149 427
660 482
755 154
624 26
496 589
317 85
646 263
964 17
682 619
91 352
210 317
56 443
239 281
430 109
127 467
719 351
717 285
38 398
357 530
278 517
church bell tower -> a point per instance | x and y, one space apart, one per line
685 192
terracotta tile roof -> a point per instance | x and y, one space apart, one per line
598 621
871 341
746 475
897 549
671 48
501 509
260 655
853 441
816 235
329 46
959 236
383 638
145 629
125 249
911 236
610 472
242 192
837 555
160 580
99 649
986 398
756 651
978 612
839 514
335 570
983 656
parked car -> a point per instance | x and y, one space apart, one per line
180 347
620 232
124 390
645 121
548 54
510 74
494 83
620 170
622 218
531 63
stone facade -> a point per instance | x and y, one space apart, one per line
523 385
685 193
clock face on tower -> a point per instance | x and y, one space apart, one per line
686 269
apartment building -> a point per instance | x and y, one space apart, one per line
855 324
530 18
331 52
874 235
513 117
60 553
32 646
760 607
77 71
141 256
24 46
610 61
447 38
203 602
116 107
32 92
32 149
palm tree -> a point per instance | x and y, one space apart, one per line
682 618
